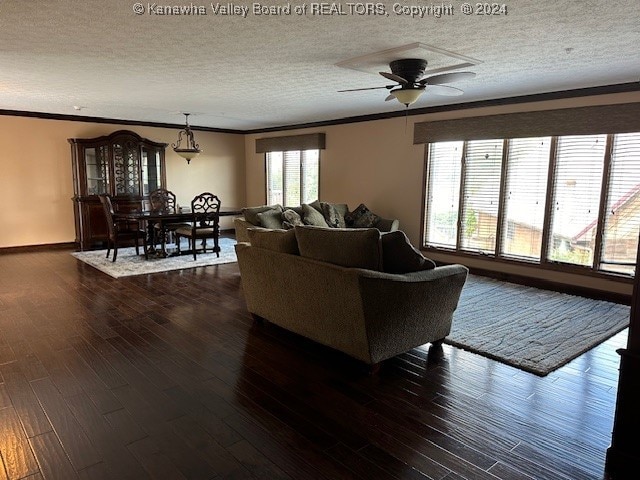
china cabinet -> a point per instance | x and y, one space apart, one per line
123 165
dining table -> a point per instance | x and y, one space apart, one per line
164 217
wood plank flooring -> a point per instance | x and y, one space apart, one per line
165 376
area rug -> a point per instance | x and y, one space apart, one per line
531 329
128 263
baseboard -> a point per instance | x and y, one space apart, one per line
620 298
39 248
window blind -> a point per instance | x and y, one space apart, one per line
576 198
275 178
482 171
622 214
310 175
525 197
292 167
443 193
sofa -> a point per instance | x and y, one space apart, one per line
368 294
321 214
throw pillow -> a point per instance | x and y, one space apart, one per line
251 213
283 241
361 217
270 219
332 215
358 248
311 216
316 204
291 218
399 256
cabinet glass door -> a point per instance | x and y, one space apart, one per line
126 167
97 170
151 174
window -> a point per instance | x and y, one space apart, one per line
482 165
622 213
572 200
525 197
443 193
292 177
576 198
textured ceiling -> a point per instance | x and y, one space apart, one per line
262 71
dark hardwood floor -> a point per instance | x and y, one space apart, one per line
166 376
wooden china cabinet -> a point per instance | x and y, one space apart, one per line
122 164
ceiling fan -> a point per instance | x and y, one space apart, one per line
408 72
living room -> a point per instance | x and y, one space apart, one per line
370 157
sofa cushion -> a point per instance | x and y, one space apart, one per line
251 213
291 218
361 217
312 216
399 256
334 214
360 248
283 241
316 204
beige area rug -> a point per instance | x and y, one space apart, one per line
532 329
128 263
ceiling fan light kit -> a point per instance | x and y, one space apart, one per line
407 96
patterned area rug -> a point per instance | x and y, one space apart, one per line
128 263
532 329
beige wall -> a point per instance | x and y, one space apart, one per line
376 163
36 180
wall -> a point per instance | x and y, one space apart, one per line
376 163
36 179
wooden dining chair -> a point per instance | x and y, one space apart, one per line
121 230
163 200
205 209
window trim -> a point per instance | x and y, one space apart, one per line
544 263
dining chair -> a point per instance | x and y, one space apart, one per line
205 209
120 230
163 200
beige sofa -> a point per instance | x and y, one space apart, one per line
271 216
329 285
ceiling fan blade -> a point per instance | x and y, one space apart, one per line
447 78
389 98
369 88
444 90
394 77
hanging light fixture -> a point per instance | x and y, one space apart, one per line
192 149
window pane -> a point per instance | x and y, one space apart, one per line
310 175
525 195
622 216
576 198
292 178
274 178
483 164
443 193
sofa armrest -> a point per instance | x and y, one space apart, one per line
387 225
409 310
242 226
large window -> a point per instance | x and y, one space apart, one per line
292 177
568 200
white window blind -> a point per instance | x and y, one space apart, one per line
443 193
576 198
525 197
292 177
622 214
310 175
482 171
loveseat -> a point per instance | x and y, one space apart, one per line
367 294
321 214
